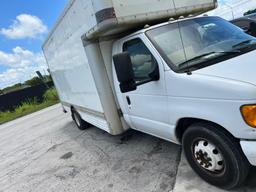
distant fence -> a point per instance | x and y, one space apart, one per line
11 100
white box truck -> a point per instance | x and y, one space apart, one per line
137 64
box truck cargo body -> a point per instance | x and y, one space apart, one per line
120 64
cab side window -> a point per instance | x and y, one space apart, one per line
143 61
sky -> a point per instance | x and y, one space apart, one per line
24 25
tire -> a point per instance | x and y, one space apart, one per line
80 123
215 155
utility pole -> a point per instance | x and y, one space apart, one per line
42 79
232 11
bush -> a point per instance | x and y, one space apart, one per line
26 106
50 98
51 95
5 116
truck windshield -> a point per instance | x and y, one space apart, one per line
190 43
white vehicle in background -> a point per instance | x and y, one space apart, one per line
189 81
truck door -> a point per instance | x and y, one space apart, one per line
147 105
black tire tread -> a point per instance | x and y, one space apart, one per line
84 125
228 141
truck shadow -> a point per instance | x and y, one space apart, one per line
251 180
132 154
133 157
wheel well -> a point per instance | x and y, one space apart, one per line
184 123
72 108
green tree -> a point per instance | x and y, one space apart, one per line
18 85
12 88
250 12
48 77
34 81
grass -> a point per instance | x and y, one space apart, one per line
50 98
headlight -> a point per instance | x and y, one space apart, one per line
249 114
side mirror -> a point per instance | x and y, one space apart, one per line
124 71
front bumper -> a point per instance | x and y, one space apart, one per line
249 149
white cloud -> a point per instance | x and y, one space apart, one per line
25 26
22 65
19 58
229 9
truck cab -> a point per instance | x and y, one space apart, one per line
191 74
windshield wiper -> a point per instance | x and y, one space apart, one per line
182 65
248 41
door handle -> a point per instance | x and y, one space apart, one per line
128 100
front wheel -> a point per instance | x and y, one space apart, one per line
215 155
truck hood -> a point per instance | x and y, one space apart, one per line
241 68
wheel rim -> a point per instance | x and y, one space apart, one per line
77 119
208 156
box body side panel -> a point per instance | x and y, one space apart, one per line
70 67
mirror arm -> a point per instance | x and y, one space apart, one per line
143 82
154 76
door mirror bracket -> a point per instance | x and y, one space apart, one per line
154 75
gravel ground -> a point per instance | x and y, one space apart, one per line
46 152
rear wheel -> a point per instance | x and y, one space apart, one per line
80 123
215 155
